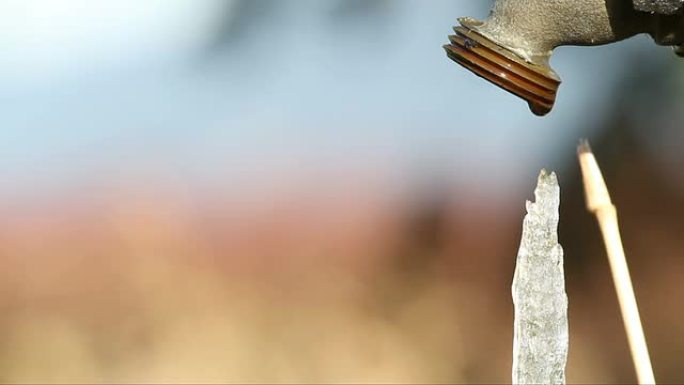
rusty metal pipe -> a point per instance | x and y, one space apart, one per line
512 47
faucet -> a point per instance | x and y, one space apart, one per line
513 46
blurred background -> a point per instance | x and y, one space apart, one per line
309 191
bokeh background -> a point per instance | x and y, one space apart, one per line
309 191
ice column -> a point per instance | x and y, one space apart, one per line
540 344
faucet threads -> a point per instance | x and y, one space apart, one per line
536 84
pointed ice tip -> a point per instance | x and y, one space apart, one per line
546 194
546 177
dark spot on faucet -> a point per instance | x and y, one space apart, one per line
470 44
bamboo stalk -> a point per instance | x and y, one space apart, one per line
600 204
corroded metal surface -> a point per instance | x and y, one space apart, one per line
524 34
537 84
663 7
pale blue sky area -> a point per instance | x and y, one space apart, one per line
92 88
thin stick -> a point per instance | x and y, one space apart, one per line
600 204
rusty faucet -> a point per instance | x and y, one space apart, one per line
512 47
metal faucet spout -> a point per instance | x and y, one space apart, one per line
513 46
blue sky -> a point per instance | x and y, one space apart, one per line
91 88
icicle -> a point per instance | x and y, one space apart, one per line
540 345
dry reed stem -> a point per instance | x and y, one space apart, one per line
600 204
